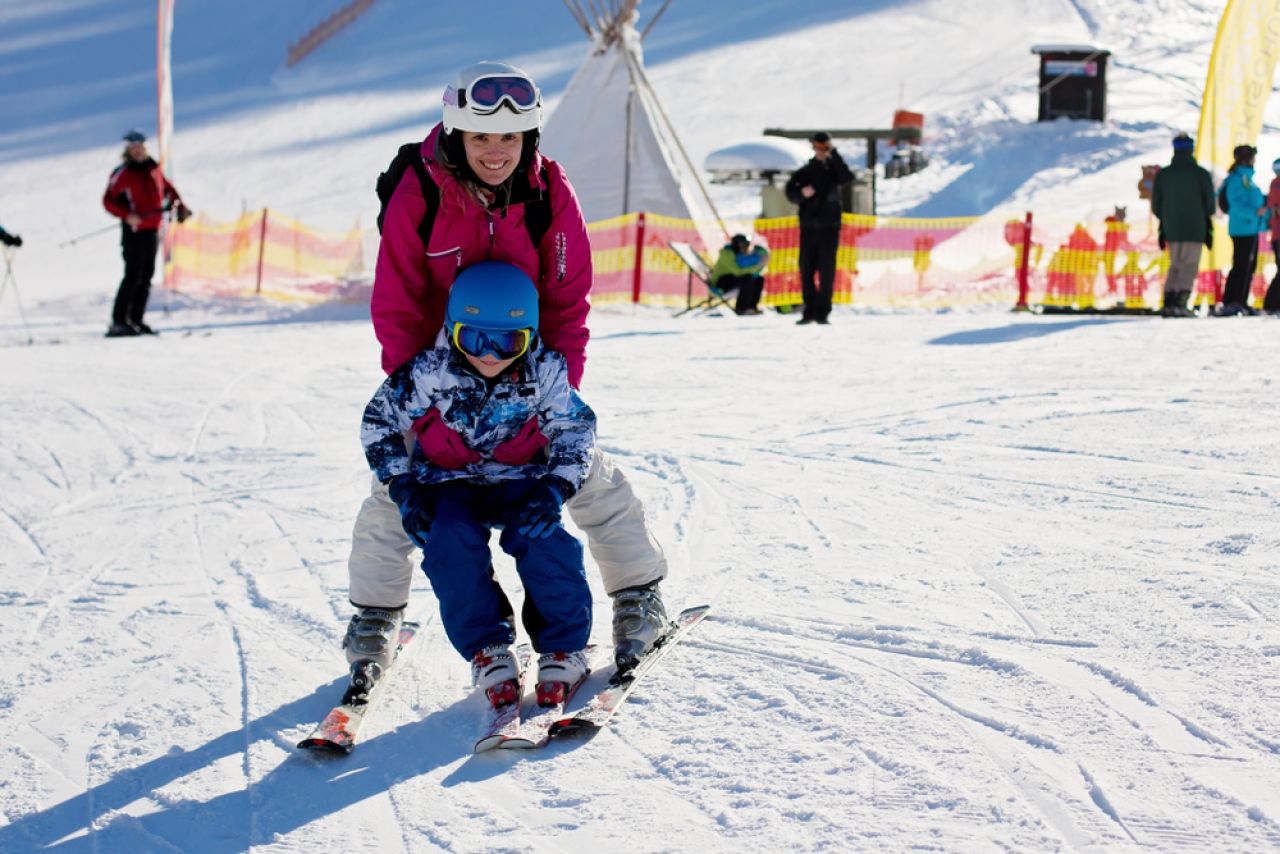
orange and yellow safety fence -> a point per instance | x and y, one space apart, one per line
1060 264
264 253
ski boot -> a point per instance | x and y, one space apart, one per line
639 623
558 674
373 635
495 669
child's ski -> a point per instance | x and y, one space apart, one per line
503 723
535 731
601 708
338 731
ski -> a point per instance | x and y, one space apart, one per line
535 730
600 708
338 731
503 724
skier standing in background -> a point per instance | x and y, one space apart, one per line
488 181
139 194
1247 215
1182 200
815 188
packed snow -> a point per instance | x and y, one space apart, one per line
979 580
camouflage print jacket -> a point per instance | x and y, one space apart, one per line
485 413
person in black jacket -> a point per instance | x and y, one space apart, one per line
10 239
815 188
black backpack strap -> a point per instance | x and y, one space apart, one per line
430 195
409 157
537 213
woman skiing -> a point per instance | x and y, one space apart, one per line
480 190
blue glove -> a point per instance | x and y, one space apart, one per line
540 515
416 511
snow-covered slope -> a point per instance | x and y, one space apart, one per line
980 581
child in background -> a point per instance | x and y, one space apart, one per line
488 378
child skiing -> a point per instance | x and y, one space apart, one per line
488 377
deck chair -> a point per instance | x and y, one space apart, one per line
698 269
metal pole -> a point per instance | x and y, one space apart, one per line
637 274
10 280
262 250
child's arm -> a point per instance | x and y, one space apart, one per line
567 422
402 398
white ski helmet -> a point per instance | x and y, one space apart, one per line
492 97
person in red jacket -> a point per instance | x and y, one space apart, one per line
139 194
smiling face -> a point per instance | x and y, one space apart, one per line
137 151
493 156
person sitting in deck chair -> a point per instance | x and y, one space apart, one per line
739 267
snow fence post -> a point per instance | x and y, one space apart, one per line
262 250
1024 285
638 273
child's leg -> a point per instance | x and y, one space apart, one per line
555 582
456 559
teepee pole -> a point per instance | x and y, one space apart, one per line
575 9
637 74
654 20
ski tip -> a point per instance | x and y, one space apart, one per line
324 745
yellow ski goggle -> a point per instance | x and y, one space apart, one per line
503 343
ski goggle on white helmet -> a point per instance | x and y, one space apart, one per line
492 97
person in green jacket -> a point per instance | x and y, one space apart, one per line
739 268
1182 199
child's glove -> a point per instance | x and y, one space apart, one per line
523 446
416 511
540 515
441 444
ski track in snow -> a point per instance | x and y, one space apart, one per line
973 588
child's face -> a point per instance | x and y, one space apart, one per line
488 365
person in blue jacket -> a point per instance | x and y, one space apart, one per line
1247 214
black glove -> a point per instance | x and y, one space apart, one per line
182 212
540 515
10 239
416 509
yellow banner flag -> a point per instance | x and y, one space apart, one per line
1239 80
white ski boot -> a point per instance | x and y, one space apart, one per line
558 674
496 670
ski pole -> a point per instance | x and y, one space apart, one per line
10 280
73 241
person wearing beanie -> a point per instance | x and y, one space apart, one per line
1247 215
1182 200
815 189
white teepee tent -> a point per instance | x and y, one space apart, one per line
612 136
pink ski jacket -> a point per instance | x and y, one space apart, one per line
411 281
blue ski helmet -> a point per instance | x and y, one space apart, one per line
492 295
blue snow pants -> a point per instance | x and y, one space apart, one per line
456 559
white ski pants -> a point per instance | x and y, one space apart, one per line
605 509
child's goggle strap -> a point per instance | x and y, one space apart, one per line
503 343
486 94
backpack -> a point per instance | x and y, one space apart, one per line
537 210
1223 205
